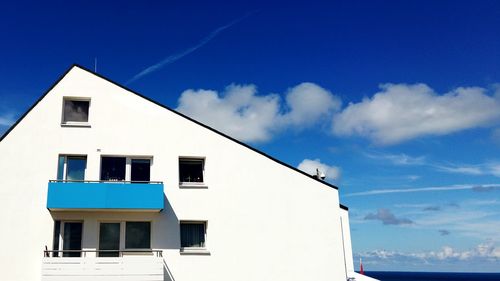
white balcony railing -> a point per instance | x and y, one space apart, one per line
126 267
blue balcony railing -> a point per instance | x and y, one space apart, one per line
105 195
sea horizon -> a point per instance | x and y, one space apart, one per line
432 276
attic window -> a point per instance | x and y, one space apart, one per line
76 111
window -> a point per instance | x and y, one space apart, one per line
75 110
56 238
109 239
193 234
120 235
140 170
191 170
125 169
71 168
138 235
113 168
68 238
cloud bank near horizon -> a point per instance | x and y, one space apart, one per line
485 256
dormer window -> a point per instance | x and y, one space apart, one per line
76 111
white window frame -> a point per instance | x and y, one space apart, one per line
65 165
202 184
194 250
75 123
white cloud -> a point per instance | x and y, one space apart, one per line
468 170
483 252
310 166
239 112
490 168
402 112
421 189
495 135
7 119
413 177
308 102
398 159
177 56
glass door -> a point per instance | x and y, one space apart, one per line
72 238
109 239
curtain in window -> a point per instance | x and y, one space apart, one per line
192 235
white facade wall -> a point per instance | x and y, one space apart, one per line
346 232
265 221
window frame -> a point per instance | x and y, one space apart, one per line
60 236
194 250
123 235
191 184
64 176
128 167
65 123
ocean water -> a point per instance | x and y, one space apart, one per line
432 276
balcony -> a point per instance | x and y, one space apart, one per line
105 195
128 266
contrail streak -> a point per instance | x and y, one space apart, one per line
172 58
423 189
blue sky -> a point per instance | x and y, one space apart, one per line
398 102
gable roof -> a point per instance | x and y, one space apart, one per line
167 108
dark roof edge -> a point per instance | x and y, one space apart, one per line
173 111
33 106
344 207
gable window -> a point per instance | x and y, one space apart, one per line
75 111
137 235
193 234
71 168
191 171
125 169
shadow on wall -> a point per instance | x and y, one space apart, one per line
169 235
167 274
167 226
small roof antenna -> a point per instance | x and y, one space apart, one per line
95 65
320 175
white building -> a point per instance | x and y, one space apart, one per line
100 183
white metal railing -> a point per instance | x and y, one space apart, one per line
106 181
56 253
151 266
